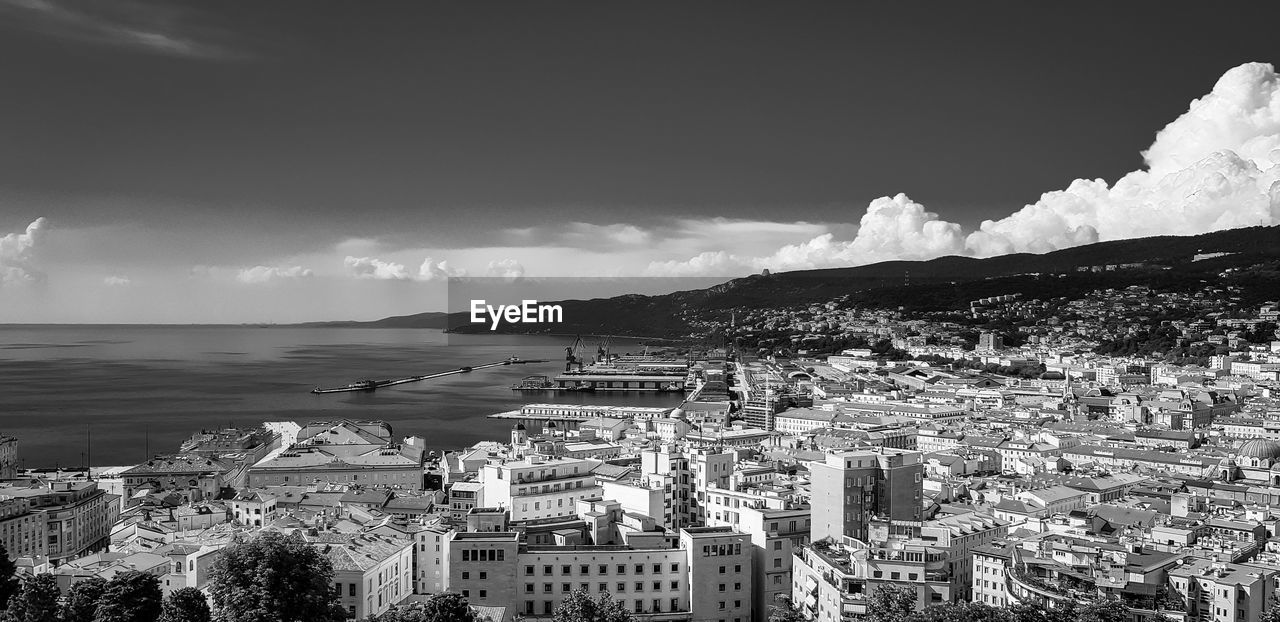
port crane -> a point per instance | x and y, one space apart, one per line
572 355
602 350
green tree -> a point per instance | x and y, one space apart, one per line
185 605
82 599
890 603
131 596
578 606
36 600
274 578
8 578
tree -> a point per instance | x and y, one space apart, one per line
1107 610
890 603
445 607
961 612
1272 611
8 578
131 596
36 600
579 607
274 578
185 605
82 599
785 611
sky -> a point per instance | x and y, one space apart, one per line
166 162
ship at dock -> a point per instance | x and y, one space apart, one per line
609 372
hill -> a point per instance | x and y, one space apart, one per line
945 283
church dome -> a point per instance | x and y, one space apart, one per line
1260 448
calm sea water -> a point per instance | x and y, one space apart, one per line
132 387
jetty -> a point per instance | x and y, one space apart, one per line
373 385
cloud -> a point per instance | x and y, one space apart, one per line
264 274
117 281
158 28
16 250
374 268
505 268
1215 167
891 228
436 271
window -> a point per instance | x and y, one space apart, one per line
639 606
657 586
722 605
639 568
528 588
528 570
777 562
546 570
484 575
604 570
675 585
584 570
622 587
564 587
622 569
546 588
466 593
737 567
722 570
675 604
777 545
483 593
351 589
657 569
565 570
895 575
675 567
465 576
603 587
639 586
737 587
721 588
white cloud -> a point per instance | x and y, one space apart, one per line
117 281
16 251
374 268
437 270
264 274
505 268
1215 167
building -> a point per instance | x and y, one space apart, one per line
719 573
77 517
370 573
22 530
1223 592
832 579
777 525
853 487
988 342
253 507
8 457
538 486
195 477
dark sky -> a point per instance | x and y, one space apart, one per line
343 113
195 161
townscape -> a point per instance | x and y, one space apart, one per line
1074 467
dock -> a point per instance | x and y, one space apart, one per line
372 385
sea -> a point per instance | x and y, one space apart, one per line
113 395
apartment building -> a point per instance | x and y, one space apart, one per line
77 517
853 487
538 486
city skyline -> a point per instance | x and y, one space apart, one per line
195 163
